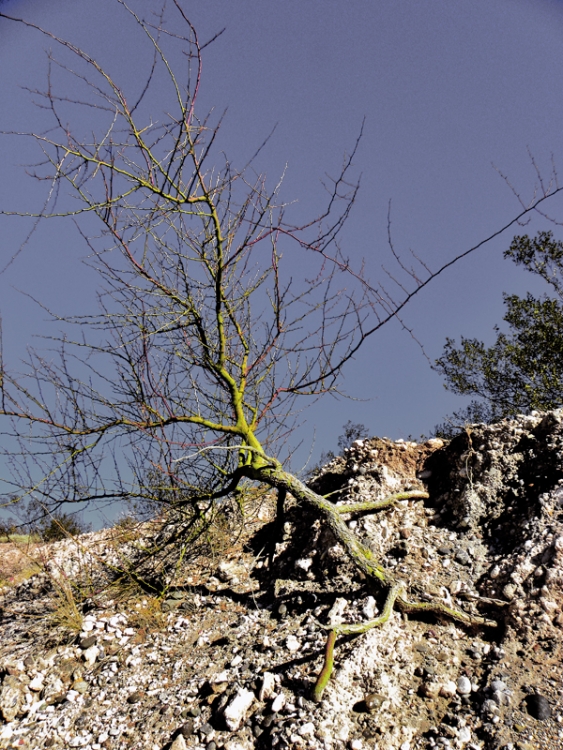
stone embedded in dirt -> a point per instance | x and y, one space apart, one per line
490 707
179 743
292 643
36 683
279 703
448 689
538 706
268 686
373 702
187 729
90 655
463 685
231 572
236 710
12 697
88 642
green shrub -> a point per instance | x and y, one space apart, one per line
60 526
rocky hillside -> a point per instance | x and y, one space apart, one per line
227 658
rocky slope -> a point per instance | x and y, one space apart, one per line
228 657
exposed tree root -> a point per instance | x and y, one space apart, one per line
363 558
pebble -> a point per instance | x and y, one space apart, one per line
279 703
373 701
464 734
463 685
85 643
36 684
509 591
430 689
292 644
462 557
538 706
90 655
501 697
448 689
11 697
490 707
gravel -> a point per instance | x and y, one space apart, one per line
228 660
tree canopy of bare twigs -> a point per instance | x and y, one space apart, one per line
185 382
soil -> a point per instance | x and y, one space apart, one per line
228 655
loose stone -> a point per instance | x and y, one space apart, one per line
279 703
11 697
509 591
237 708
179 743
268 686
463 685
448 690
187 729
538 706
292 644
462 557
87 642
373 701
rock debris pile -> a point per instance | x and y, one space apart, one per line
227 657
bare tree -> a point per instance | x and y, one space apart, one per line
185 382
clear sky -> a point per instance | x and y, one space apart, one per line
449 91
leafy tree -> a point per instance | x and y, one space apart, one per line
61 526
476 412
523 369
352 432
183 385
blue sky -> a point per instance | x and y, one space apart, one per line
449 91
